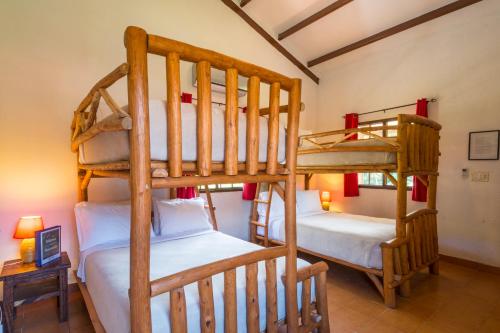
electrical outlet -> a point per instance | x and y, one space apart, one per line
481 176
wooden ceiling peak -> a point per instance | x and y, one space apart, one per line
313 18
449 8
234 7
243 3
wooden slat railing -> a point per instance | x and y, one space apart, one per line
174 126
231 122
204 119
273 128
252 144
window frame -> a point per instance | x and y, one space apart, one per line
218 188
386 183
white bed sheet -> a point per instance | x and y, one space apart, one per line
353 238
348 158
114 146
107 279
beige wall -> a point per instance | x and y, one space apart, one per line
52 52
457 59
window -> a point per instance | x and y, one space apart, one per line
223 187
378 179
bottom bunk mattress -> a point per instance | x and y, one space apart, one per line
106 273
325 159
352 238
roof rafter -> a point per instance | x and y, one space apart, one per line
243 3
231 4
449 8
313 18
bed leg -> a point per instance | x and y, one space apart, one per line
388 269
405 289
434 268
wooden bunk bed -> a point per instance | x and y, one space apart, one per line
144 175
415 152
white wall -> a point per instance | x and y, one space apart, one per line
52 52
457 59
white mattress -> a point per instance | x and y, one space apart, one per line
353 238
348 158
107 279
114 146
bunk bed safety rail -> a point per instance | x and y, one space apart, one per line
419 139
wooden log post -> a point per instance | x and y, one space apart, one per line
431 204
255 215
140 180
174 123
252 143
252 298
178 317
273 129
388 268
231 123
204 121
294 96
322 302
230 302
271 297
207 309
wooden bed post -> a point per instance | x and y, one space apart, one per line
294 96
431 204
307 180
140 180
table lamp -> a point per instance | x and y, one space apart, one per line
325 200
26 228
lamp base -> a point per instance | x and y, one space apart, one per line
326 205
28 250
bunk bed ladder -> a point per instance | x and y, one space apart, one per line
255 215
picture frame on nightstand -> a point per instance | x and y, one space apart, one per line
47 245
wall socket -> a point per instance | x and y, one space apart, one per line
480 176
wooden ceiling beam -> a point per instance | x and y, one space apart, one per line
449 8
231 4
313 18
243 3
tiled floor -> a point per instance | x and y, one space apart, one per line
458 300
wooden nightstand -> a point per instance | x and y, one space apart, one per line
28 283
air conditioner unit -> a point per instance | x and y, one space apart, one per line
218 80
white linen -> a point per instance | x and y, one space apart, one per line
353 238
101 223
182 217
348 158
107 279
308 202
114 146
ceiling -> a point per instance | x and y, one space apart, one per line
354 21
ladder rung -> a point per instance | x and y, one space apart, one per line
258 224
261 201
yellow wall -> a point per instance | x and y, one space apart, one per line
52 52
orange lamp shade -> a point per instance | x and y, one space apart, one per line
27 226
325 196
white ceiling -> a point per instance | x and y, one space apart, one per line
352 22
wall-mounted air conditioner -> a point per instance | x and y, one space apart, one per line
218 81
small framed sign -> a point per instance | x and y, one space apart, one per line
47 245
484 145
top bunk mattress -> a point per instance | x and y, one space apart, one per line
114 146
348 158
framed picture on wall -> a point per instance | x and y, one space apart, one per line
484 145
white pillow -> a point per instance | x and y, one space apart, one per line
101 223
182 217
308 202
277 206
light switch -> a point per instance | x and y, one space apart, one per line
481 176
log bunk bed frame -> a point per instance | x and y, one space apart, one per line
144 175
416 244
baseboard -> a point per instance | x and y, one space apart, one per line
470 264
